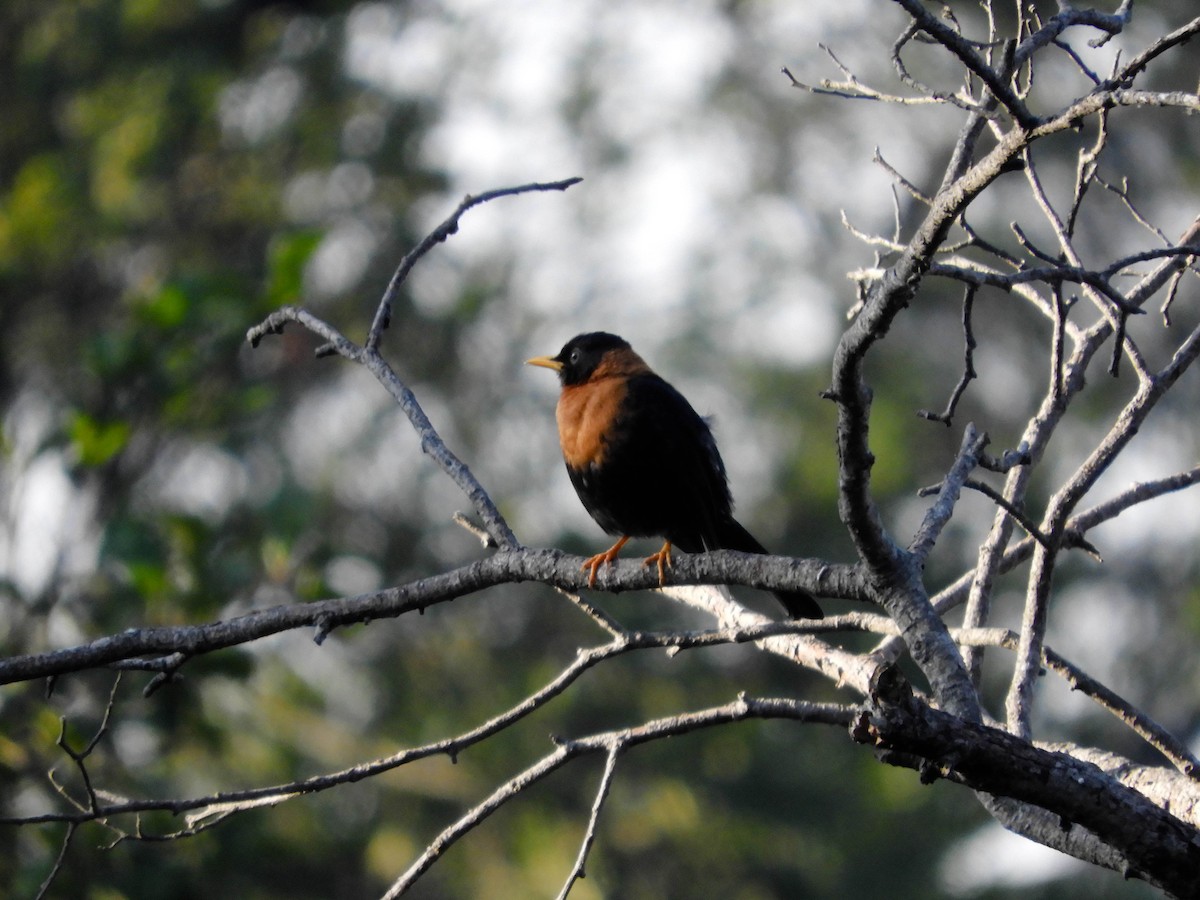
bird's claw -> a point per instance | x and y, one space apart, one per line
608 557
593 564
663 559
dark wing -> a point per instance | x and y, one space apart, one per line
689 477
661 474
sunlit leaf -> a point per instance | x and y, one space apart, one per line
95 442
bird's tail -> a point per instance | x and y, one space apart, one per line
799 604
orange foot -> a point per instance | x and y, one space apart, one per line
663 559
593 563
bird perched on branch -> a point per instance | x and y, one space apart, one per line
643 462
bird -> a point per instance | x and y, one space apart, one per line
643 461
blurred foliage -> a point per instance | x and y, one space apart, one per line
171 171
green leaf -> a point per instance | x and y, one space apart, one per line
97 442
166 309
286 258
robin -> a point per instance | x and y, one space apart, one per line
643 462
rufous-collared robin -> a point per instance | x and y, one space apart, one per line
643 461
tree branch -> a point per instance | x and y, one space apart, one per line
1174 750
449 227
610 743
550 567
589 834
1033 625
1156 843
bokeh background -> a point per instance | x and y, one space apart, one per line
173 170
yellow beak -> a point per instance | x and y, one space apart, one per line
546 362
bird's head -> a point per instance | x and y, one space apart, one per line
582 356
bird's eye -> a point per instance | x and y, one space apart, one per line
575 354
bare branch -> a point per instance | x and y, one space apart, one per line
551 567
275 322
980 275
1078 799
960 47
611 742
1070 17
939 513
1154 734
1100 287
44 887
589 834
486 540
869 239
212 808
852 88
1122 192
985 759
947 415
433 445
1138 64
80 757
793 641
1131 496
449 227
915 192
431 442
1085 169
1033 625
956 593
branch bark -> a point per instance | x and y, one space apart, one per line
1158 846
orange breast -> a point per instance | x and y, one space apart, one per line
585 412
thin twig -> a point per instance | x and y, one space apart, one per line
962 48
1122 192
939 513
275 322
1033 626
226 803
1160 738
852 88
911 188
1138 64
44 887
383 314
1094 288
567 750
1030 247
80 757
589 834
947 415
460 519
871 240
1085 168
